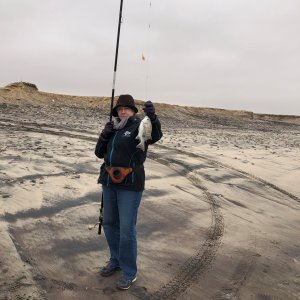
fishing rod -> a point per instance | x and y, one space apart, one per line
116 61
100 221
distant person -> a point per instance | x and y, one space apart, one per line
117 144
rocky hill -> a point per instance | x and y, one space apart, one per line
24 93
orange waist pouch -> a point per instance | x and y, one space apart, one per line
118 174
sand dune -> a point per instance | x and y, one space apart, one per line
219 219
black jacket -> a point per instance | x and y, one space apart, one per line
120 151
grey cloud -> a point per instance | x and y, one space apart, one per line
227 54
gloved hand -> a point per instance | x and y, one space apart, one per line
149 110
108 130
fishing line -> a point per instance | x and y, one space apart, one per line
145 59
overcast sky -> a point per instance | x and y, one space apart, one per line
235 54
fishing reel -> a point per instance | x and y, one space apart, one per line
99 223
93 226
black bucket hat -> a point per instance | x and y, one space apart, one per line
124 100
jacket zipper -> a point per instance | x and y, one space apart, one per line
132 174
110 156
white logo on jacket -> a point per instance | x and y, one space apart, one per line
127 134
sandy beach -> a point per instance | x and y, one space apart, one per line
219 219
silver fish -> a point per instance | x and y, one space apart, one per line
145 130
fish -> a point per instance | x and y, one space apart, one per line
144 134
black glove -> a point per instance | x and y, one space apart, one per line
108 130
149 110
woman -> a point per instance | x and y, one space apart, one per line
122 177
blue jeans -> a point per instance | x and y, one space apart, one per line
119 224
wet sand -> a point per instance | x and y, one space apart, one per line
219 219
